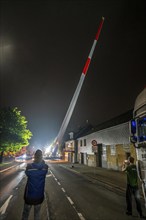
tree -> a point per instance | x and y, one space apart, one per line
13 130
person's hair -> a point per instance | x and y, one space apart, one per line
131 159
38 156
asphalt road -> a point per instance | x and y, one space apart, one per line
9 180
91 200
68 196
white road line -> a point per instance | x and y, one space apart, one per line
1 171
69 199
63 190
52 173
48 175
5 205
81 217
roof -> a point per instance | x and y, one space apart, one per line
82 131
125 117
88 128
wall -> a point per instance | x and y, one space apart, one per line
115 140
91 160
115 161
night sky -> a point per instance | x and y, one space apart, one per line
43 48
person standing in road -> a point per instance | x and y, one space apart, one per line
34 189
132 186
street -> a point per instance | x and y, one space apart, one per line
9 180
69 196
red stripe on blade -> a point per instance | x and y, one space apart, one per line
86 66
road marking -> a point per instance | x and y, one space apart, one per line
48 175
63 190
52 173
5 205
1 171
16 165
81 217
71 202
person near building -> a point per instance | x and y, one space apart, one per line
34 189
132 186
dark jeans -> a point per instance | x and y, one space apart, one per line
133 191
26 211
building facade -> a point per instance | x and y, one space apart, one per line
109 144
106 148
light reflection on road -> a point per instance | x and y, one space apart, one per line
9 180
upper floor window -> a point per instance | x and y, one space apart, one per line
80 143
84 142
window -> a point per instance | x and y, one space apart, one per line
113 150
84 142
80 143
104 154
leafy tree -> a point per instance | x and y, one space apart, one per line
13 130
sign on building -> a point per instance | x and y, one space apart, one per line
94 146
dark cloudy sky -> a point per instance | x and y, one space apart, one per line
44 46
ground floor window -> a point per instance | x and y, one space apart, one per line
113 150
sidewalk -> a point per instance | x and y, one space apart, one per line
116 180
